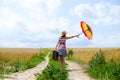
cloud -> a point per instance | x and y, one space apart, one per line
33 10
30 24
98 13
8 20
36 5
13 26
52 5
105 41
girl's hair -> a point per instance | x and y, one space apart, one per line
63 36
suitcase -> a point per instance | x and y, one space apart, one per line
55 55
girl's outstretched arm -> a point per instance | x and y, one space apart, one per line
73 36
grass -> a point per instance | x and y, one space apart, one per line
19 59
53 72
104 64
14 60
102 70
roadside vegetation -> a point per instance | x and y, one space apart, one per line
102 70
53 72
103 64
16 62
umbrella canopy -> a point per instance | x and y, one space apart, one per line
86 30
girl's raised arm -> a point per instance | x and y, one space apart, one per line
73 36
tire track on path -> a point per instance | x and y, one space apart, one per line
76 72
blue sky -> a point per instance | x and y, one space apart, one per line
38 23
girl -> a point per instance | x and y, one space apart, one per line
61 47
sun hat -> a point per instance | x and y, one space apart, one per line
63 33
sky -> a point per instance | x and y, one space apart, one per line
39 23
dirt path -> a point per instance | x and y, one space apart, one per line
76 72
30 73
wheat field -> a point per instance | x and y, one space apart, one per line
22 54
86 54
83 54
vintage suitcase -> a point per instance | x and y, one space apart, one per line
55 55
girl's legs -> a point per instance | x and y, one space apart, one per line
62 61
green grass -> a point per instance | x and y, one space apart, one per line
99 68
7 68
23 65
53 72
102 70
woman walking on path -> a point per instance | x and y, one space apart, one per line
61 47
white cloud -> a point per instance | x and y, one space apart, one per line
39 5
105 41
5 2
19 45
52 5
98 13
30 23
34 18
81 9
8 19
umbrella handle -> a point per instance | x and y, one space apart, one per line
81 33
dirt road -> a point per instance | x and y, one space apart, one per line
76 72
30 73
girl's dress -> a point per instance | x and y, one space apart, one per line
62 46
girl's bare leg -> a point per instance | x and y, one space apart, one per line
62 61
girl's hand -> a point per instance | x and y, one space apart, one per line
77 35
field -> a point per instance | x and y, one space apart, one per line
11 55
22 54
86 54
103 63
83 54
19 59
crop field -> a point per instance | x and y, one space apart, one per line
19 59
83 54
86 54
103 64
22 54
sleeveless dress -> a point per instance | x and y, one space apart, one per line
62 46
